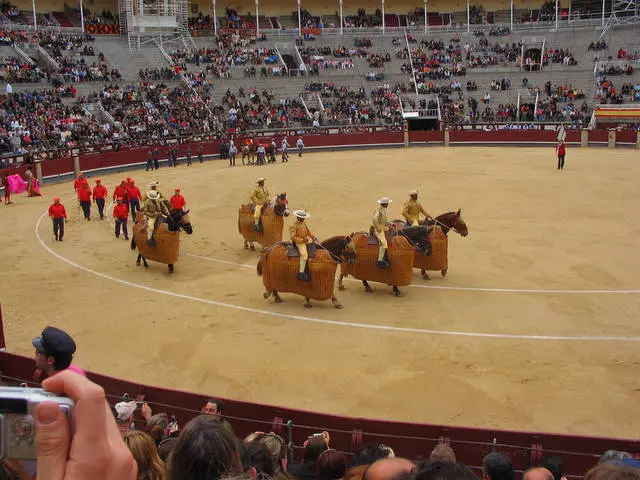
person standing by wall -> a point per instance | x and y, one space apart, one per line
58 214
561 150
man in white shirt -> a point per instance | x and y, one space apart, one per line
300 146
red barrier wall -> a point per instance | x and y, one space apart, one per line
408 439
500 136
426 136
626 136
598 136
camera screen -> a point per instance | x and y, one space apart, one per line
13 405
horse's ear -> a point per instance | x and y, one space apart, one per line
459 212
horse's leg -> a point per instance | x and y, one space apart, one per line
171 268
144 262
341 287
251 246
267 294
138 259
367 287
444 272
425 275
336 303
307 303
396 291
276 297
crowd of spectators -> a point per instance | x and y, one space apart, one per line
363 20
632 90
105 17
15 70
609 69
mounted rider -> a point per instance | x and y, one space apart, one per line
301 236
412 209
380 227
152 208
259 197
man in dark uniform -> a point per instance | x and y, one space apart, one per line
201 153
149 161
156 157
54 352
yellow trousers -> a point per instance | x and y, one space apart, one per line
257 212
151 222
413 221
382 243
304 255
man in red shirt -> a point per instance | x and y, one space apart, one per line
99 196
58 214
121 214
80 181
121 191
135 196
177 201
561 150
84 195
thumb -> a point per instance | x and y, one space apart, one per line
52 441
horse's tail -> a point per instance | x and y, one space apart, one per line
259 267
133 243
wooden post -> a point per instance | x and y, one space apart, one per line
638 139
612 138
3 344
406 133
446 137
584 137
39 171
76 164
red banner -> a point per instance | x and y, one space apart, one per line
99 29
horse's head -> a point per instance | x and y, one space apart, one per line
281 205
179 219
349 250
452 221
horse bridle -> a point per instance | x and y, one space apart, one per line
453 227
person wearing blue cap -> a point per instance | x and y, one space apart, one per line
54 352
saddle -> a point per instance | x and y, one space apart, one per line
293 252
373 240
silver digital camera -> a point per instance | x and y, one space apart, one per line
17 419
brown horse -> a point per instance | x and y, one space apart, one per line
272 222
249 152
442 224
166 235
279 266
402 245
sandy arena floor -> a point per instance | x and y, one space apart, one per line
528 343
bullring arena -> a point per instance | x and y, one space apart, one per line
532 327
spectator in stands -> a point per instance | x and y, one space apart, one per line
442 471
215 408
331 465
166 448
368 454
613 471
554 464
388 469
537 473
144 452
124 416
497 466
442 453
313 448
54 352
279 454
256 459
204 451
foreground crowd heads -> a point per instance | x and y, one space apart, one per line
207 450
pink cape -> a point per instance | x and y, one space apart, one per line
35 186
16 183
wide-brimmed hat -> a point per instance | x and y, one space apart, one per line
154 184
413 192
153 195
302 214
385 200
261 179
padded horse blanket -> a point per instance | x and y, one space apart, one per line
400 254
272 226
167 247
279 271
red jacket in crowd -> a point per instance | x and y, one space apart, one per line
134 192
77 185
177 202
100 191
84 194
121 211
57 211
561 148
122 192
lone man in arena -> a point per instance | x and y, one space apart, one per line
561 150
58 215
300 146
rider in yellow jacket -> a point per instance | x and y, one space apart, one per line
301 235
259 197
413 208
380 227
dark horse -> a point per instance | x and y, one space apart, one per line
176 220
271 231
416 236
